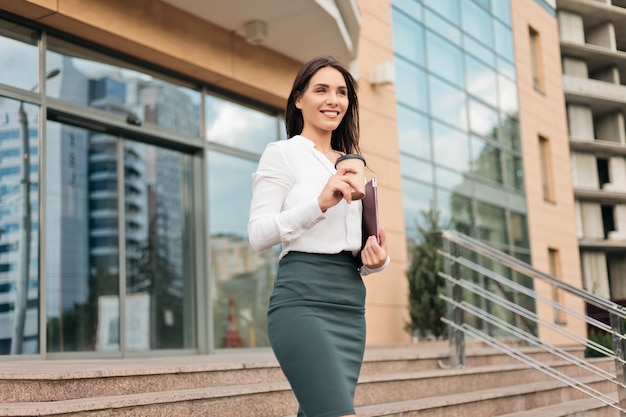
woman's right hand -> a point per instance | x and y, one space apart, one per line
337 188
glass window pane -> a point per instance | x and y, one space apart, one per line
452 180
416 169
491 223
160 292
502 10
448 103
444 58
519 230
410 7
94 80
19 59
408 38
479 50
237 126
451 147
510 132
242 279
483 119
514 172
508 95
504 41
19 231
486 160
477 22
443 27
446 8
418 197
82 263
414 133
413 81
456 212
506 68
481 80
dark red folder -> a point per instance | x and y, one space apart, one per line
370 211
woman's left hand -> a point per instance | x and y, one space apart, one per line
373 254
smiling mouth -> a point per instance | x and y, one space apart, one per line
330 113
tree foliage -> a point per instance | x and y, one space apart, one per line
425 285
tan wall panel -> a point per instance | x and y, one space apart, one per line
192 47
386 304
551 225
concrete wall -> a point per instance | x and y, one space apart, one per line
552 224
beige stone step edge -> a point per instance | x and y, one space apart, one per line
98 368
120 402
582 407
480 403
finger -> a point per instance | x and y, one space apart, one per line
344 170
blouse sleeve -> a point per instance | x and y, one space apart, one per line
268 223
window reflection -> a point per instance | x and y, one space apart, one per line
514 172
508 95
491 223
483 119
117 88
443 27
414 133
159 284
451 147
486 160
445 57
411 7
448 104
418 197
19 231
502 10
456 211
416 169
446 8
476 21
414 91
408 38
237 126
519 230
504 41
481 80
241 278
19 59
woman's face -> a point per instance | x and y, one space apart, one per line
324 102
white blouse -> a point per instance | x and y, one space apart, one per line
284 209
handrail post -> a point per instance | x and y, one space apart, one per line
455 314
619 351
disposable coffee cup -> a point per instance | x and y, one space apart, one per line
357 162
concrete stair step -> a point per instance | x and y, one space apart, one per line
587 407
253 401
393 392
58 380
489 403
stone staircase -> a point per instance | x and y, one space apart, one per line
406 381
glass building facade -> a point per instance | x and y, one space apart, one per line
122 163
458 119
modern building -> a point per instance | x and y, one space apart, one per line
482 129
151 116
592 49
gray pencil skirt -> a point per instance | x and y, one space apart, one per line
316 326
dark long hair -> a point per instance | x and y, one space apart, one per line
346 137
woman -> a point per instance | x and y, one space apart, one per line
316 320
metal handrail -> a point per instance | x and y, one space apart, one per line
458 308
522 267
